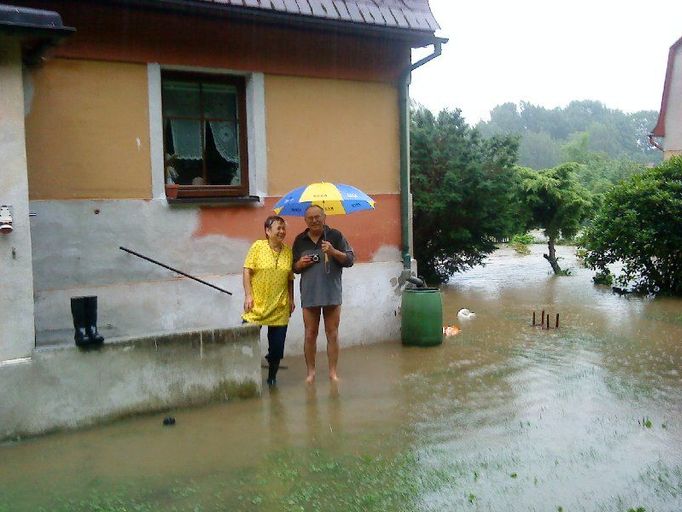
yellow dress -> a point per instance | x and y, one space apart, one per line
272 272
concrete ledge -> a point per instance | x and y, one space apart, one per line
67 387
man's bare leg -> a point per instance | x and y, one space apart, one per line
332 317
311 322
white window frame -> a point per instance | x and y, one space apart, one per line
255 127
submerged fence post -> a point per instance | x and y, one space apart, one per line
545 321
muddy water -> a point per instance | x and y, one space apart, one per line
503 417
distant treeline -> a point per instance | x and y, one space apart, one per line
581 132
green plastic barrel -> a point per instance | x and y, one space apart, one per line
422 317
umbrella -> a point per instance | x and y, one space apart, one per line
333 198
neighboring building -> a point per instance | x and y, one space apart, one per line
24 35
171 128
669 125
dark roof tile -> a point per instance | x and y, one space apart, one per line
408 14
354 12
291 6
388 17
304 7
399 17
342 10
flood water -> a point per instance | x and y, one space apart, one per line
502 417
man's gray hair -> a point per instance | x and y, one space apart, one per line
315 206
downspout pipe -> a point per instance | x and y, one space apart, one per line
404 104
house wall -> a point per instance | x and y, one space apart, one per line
88 131
672 143
332 130
329 110
66 387
16 276
117 34
315 128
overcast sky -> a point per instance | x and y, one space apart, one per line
548 52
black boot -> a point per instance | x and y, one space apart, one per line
94 337
272 373
79 320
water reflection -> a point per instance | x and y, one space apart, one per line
503 416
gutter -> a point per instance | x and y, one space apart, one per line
405 193
37 29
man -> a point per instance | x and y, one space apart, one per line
320 253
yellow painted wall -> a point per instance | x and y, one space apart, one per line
332 130
87 134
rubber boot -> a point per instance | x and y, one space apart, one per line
79 320
272 373
94 337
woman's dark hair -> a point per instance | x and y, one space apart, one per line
271 220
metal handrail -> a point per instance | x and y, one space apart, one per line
174 269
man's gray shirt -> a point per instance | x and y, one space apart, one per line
321 282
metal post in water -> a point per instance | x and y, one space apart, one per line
548 327
542 319
533 318
557 321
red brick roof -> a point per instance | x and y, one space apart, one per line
406 14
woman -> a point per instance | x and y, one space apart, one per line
269 289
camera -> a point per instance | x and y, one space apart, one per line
315 258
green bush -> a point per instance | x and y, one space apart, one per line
639 224
525 239
520 243
603 277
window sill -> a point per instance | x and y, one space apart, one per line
210 201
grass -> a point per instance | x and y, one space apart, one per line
289 480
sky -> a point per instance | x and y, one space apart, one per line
548 52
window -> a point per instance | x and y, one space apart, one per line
204 134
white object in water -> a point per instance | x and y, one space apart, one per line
464 313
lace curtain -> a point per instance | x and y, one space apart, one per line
187 139
225 137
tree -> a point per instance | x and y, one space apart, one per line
462 189
556 202
538 150
616 134
504 120
639 224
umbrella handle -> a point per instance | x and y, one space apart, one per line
326 256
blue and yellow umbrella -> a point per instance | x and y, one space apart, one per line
333 198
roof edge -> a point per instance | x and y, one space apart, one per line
29 20
659 129
416 37
36 29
